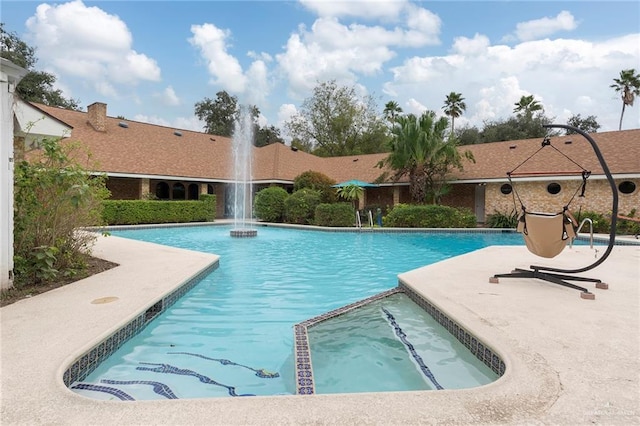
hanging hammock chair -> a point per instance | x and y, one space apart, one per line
547 234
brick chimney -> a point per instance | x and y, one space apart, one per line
97 112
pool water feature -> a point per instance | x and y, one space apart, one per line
237 321
390 344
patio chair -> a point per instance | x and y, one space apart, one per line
547 234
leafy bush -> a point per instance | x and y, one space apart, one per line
601 224
337 214
318 182
300 206
268 204
502 220
628 227
429 216
135 212
54 196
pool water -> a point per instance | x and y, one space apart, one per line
391 345
232 333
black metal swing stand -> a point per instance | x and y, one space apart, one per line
562 276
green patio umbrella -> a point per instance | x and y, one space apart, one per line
355 182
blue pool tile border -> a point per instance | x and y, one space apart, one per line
86 363
476 346
305 384
598 239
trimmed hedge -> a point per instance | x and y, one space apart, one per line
429 216
136 212
300 206
268 204
338 214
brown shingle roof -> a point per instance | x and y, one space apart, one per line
148 149
621 151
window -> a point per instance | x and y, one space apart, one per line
194 191
210 189
162 191
178 191
627 187
506 189
554 188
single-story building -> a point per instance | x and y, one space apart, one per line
141 159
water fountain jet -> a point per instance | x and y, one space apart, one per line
242 144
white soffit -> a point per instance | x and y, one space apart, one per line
35 123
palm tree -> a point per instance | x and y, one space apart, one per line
420 150
527 106
629 86
454 106
351 193
391 111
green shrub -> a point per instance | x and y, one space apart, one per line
502 220
300 206
268 204
136 212
601 223
429 216
318 182
54 195
336 214
628 227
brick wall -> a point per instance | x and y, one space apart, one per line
535 197
461 195
124 188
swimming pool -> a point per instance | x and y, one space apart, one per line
233 331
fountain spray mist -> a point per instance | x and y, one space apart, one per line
242 145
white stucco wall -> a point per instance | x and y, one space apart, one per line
10 76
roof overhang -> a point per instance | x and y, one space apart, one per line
33 124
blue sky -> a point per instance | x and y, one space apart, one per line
152 61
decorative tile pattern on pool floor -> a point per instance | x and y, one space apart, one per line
89 361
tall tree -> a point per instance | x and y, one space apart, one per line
36 86
391 111
526 106
588 125
335 121
420 151
515 128
267 135
628 85
454 106
218 115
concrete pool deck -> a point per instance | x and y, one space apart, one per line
569 360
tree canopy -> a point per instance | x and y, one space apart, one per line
420 150
36 86
453 107
335 121
220 114
588 124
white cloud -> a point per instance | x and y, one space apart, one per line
87 43
412 106
544 27
169 97
185 123
285 112
367 9
564 75
223 67
332 50
252 85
